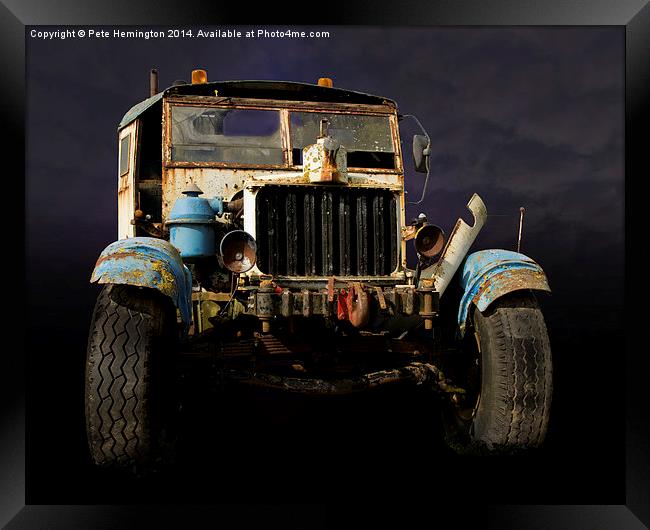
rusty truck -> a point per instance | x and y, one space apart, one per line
262 225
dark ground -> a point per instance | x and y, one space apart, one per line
527 117
268 446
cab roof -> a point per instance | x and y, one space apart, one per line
280 90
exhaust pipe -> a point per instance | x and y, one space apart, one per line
153 82
461 238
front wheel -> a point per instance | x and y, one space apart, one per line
506 368
130 378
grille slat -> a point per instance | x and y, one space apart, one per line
362 232
310 239
378 232
327 237
291 234
271 234
344 232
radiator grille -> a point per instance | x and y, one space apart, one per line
305 231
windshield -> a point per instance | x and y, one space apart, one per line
238 136
251 137
367 139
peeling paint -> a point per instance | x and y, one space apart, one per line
147 262
490 274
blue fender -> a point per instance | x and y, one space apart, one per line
490 274
147 262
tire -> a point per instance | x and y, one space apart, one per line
507 371
130 378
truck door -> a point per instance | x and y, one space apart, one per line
127 174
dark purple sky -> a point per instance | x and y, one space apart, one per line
523 116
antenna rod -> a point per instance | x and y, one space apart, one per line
521 224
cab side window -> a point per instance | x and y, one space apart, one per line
125 146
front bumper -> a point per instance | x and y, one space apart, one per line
270 302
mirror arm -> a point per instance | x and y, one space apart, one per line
426 152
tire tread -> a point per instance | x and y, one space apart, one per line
518 402
118 419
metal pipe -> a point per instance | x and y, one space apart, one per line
153 82
521 224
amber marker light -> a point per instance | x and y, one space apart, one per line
325 81
199 77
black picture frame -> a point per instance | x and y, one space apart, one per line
634 15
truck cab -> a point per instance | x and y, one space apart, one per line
262 228
255 145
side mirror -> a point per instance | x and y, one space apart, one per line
420 152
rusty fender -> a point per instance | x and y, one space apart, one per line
414 373
147 262
490 274
461 238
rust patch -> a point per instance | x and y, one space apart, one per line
117 255
167 280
